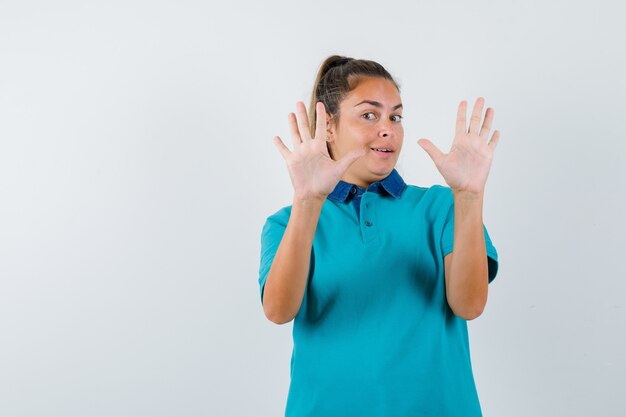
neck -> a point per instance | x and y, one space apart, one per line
361 182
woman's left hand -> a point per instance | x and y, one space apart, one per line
466 167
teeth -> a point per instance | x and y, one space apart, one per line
382 149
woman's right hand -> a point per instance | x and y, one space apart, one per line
314 174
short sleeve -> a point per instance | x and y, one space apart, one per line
447 243
272 234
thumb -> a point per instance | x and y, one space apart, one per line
432 151
350 158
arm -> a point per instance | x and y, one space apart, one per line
466 273
286 280
465 169
314 175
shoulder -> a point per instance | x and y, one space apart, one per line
436 194
274 226
280 217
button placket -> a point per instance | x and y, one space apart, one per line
368 229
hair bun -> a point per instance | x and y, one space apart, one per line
339 62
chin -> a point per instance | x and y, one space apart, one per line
382 172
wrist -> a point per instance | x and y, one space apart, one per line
308 201
468 195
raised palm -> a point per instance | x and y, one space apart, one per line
314 174
466 166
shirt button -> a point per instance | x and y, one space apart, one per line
368 223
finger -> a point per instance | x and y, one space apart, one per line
494 140
484 131
284 151
303 121
350 158
293 128
320 121
460 118
476 115
435 154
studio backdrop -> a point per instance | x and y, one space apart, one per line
137 169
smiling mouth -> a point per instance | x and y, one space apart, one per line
382 151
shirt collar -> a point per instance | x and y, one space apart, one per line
393 184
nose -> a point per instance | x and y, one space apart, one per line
385 128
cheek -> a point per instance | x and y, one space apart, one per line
400 135
358 138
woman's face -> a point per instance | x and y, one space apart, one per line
370 119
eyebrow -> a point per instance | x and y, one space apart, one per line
377 104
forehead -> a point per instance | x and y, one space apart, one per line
375 89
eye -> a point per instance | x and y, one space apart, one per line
366 114
399 118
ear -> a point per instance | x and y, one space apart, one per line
330 127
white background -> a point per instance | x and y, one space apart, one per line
137 169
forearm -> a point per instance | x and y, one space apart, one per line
466 287
286 280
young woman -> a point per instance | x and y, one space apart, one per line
379 276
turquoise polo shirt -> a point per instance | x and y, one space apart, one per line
374 335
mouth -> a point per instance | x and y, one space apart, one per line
384 152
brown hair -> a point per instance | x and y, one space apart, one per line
336 77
